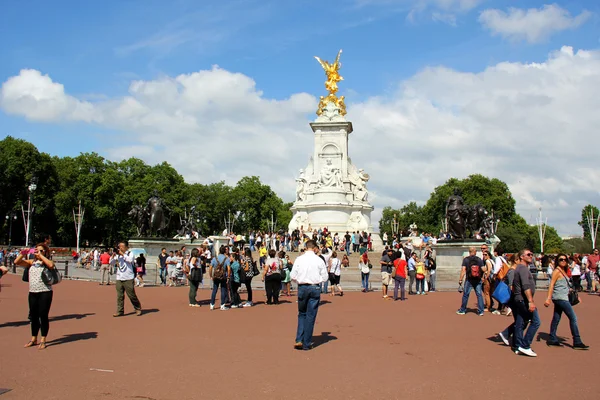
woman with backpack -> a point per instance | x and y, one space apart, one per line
559 294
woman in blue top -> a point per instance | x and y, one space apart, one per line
235 281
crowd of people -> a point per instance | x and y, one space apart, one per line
230 268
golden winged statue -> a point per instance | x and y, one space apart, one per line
333 77
331 70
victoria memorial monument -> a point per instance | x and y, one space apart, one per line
331 192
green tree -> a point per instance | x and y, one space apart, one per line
20 164
492 193
577 245
593 213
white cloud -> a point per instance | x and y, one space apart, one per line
445 11
532 125
533 25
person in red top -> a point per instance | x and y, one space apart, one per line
105 267
400 278
592 262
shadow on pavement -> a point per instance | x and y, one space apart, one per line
144 311
323 338
16 324
74 337
543 336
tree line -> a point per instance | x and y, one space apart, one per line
514 232
108 190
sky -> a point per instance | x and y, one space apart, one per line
224 89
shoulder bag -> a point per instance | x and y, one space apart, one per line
51 276
573 295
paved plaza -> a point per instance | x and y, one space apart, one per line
366 348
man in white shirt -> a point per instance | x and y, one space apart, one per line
125 276
308 271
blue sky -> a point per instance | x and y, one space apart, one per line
96 50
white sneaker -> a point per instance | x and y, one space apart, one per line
212 306
223 308
234 306
527 352
247 304
504 339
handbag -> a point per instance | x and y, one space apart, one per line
25 276
502 293
420 276
255 271
242 274
51 276
195 274
573 295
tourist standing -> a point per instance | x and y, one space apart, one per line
386 272
472 268
194 275
335 272
162 262
219 271
235 280
559 294
125 277
308 271
400 278
272 277
412 270
248 269
365 270
140 269
40 293
105 267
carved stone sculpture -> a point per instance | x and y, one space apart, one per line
360 181
330 176
414 229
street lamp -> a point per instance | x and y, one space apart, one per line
10 217
27 220
272 225
395 226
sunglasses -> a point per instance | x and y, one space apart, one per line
562 259
529 254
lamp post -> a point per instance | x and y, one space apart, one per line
395 226
592 225
10 217
27 219
229 222
78 217
272 224
542 229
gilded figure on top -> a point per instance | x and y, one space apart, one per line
333 77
